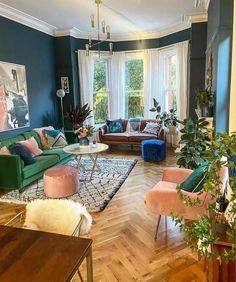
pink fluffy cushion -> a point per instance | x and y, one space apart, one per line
4 151
40 132
31 146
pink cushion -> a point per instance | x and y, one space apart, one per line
31 146
4 151
40 132
61 181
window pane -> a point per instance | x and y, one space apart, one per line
100 67
100 107
134 102
100 96
171 75
170 100
134 74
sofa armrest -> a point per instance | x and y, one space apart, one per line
102 131
10 171
176 174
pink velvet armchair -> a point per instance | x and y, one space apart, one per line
163 199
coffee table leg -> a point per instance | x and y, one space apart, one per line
94 160
89 262
79 162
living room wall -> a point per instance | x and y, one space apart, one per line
35 50
219 44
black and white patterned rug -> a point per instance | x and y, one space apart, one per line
95 194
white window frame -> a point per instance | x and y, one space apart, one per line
138 55
164 55
104 56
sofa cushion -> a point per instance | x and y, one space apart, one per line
114 126
34 134
151 128
20 150
55 138
4 151
58 152
31 146
194 183
9 141
138 137
41 163
121 137
40 132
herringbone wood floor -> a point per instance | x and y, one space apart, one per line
123 244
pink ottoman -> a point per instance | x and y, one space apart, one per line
61 181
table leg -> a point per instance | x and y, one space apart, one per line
94 160
89 262
79 162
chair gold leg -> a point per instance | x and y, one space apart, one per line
158 223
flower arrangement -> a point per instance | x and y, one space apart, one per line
84 131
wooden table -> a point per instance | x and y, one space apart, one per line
27 255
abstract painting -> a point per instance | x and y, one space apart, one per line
14 108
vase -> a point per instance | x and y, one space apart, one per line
84 141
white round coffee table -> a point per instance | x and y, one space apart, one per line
92 151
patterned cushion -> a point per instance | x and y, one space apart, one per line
151 128
55 138
114 126
133 125
18 149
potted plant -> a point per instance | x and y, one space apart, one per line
156 108
194 142
78 115
204 101
83 133
200 235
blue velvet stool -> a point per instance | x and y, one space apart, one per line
153 150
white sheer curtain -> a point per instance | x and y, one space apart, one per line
117 82
182 79
86 74
151 85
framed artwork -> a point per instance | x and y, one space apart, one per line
65 84
14 107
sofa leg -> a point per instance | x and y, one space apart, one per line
158 223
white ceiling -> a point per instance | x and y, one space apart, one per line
125 17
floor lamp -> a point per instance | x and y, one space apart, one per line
61 93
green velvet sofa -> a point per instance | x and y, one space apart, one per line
13 173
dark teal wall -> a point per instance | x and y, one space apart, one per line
219 43
25 46
197 63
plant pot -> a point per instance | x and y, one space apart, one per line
84 141
220 228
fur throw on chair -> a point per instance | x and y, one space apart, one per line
57 216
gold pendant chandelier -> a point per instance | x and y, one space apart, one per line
105 30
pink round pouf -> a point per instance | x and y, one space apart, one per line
61 181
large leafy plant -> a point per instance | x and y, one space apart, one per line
200 234
78 115
195 139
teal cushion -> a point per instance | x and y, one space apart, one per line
114 126
194 183
18 149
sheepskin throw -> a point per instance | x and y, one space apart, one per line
57 216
